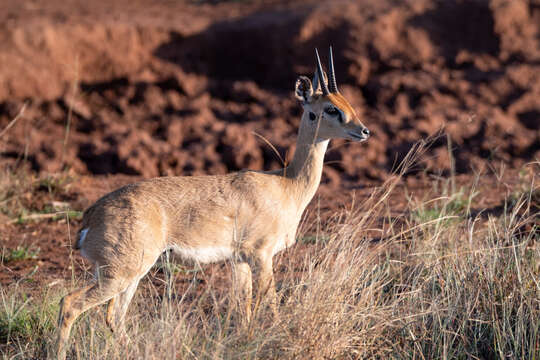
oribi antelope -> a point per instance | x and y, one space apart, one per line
244 217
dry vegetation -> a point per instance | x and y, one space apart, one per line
444 281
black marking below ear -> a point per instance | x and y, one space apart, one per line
312 116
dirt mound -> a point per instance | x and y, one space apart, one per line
181 88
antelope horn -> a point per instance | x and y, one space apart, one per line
324 87
332 75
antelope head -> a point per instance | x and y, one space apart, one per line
325 109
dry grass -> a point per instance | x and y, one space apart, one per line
443 282
24 196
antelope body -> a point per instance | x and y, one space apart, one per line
245 217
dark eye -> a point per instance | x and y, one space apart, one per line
331 111
312 116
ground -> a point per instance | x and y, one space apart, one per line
48 242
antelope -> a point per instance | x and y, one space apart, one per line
244 217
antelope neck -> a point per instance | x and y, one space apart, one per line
305 170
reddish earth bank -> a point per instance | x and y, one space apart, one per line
161 88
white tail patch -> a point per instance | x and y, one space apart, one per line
80 241
203 255
82 236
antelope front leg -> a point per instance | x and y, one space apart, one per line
264 280
243 290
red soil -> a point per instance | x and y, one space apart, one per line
178 88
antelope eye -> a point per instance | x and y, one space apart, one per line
331 111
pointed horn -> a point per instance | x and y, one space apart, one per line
316 81
324 87
332 75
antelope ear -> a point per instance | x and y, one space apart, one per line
303 89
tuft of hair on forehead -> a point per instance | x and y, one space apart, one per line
340 102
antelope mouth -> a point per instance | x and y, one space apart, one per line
357 137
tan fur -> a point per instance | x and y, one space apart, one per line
245 217
340 102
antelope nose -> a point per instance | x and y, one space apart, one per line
365 131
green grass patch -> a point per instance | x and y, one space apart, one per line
446 209
23 318
314 239
19 253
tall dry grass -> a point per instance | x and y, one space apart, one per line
443 281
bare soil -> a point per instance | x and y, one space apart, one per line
118 91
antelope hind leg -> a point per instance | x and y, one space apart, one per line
76 303
117 308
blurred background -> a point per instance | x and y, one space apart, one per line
153 88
